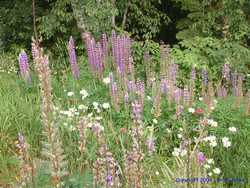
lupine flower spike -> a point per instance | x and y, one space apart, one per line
248 103
25 163
72 58
24 66
204 77
52 147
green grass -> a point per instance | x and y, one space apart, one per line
20 112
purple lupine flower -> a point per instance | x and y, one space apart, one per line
97 128
239 85
104 44
130 65
204 76
72 58
173 72
131 85
223 91
24 66
126 98
140 87
150 144
113 41
234 78
186 95
137 110
164 86
201 158
111 77
23 63
226 71
114 88
193 74
99 59
177 95
121 52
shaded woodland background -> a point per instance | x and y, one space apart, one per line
204 33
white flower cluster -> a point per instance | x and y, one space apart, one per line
106 80
179 152
71 112
211 139
191 110
209 165
212 123
84 94
232 129
226 142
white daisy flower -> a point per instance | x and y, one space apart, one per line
179 135
213 143
226 142
82 107
105 105
155 121
168 130
212 123
95 104
232 129
149 98
70 94
176 152
84 93
210 161
183 152
216 171
191 110
206 166
106 80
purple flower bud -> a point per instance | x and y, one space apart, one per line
72 58
109 179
